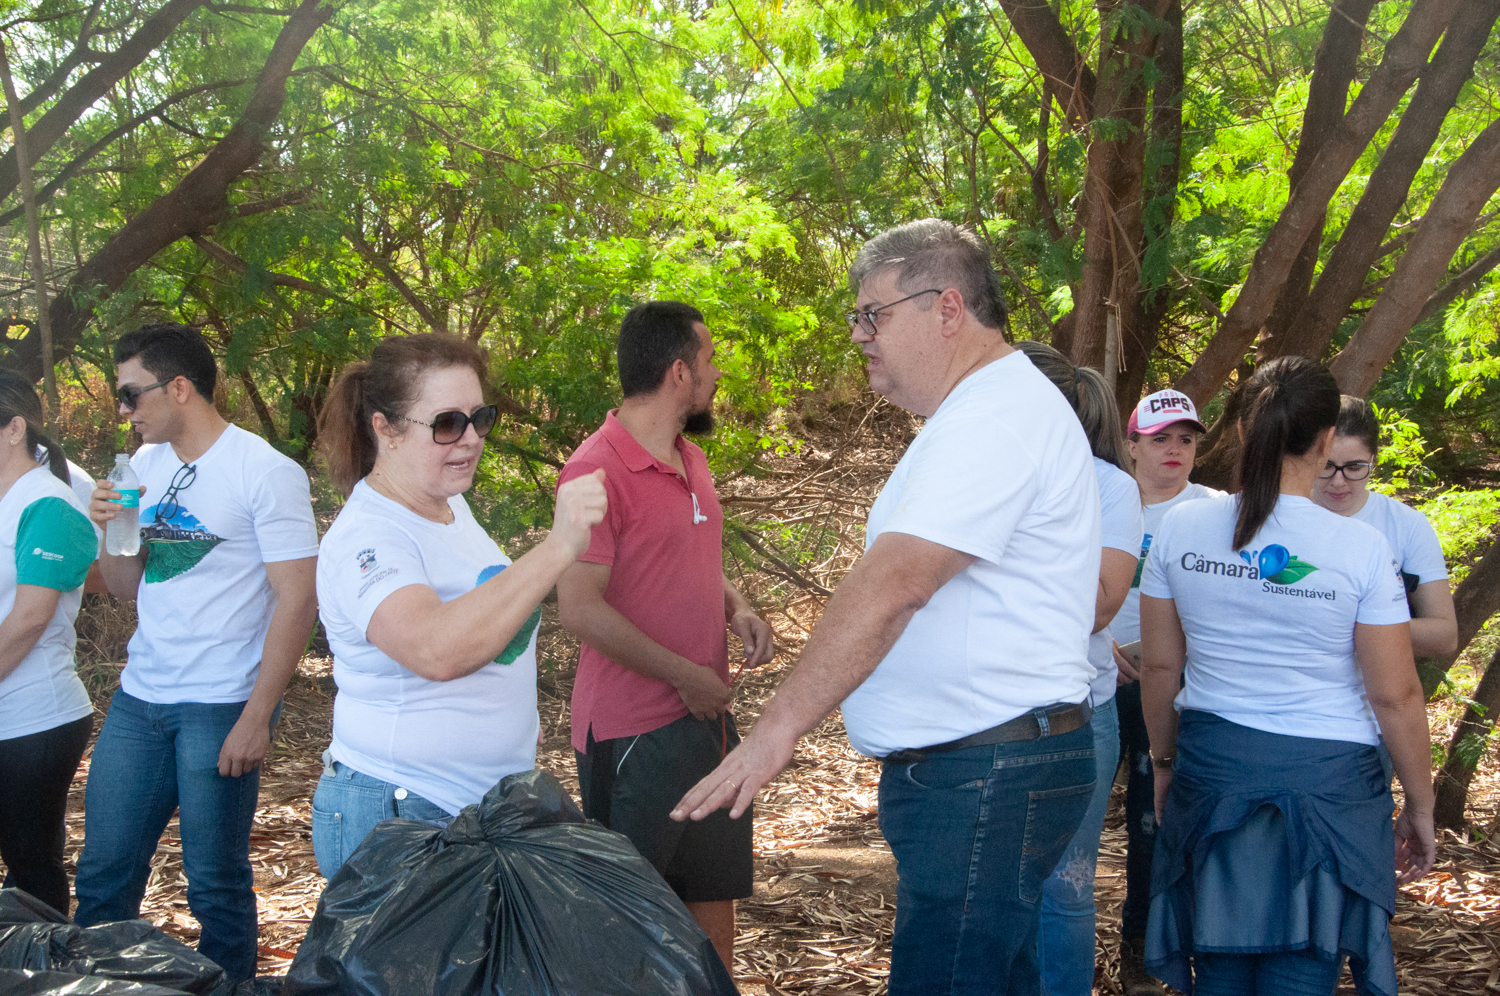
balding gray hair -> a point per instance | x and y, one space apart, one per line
935 253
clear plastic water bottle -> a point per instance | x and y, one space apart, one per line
122 535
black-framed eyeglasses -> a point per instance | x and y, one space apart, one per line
865 320
130 395
1354 470
168 506
449 427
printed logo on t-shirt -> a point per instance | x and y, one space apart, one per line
176 545
518 643
1275 567
46 554
366 558
1140 565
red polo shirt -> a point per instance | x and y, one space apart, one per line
667 577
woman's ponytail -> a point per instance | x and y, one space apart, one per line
344 431
1289 402
18 397
1091 399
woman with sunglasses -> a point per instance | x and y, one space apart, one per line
432 627
1341 488
46 547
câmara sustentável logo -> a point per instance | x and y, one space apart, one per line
1274 563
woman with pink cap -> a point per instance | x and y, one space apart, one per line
1162 436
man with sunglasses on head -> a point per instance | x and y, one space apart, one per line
224 593
957 647
649 602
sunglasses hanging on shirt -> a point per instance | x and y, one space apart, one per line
168 506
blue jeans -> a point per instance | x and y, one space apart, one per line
1066 938
975 833
347 805
1293 973
150 761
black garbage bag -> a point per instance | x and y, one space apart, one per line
519 895
37 938
23 982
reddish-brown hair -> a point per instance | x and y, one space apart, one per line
388 382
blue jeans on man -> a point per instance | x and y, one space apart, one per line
975 833
152 760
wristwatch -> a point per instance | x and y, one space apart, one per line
1163 762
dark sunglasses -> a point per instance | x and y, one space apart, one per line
130 395
449 427
168 506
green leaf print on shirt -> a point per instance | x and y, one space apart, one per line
1294 571
518 643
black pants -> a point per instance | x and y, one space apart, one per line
1140 812
35 773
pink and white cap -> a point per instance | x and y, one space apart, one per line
1159 410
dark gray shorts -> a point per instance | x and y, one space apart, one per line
630 784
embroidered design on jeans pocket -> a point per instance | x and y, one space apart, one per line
1040 848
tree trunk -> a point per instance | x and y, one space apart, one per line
1456 773
1068 76
198 201
33 239
1404 58
1115 181
1163 166
1471 181
1344 275
1333 71
1475 601
1449 292
94 84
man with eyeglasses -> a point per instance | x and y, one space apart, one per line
649 602
957 647
224 593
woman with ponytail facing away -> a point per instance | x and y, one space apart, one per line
1289 624
46 547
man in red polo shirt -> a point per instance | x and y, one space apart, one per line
649 601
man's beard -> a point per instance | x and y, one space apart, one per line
699 423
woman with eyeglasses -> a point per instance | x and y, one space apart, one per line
1274 857
1341 488
432 627
46 547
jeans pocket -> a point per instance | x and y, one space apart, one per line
933 779
1052 818
327 840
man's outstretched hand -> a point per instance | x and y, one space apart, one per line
758 759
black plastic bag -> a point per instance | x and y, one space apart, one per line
519 895
35 937
22 982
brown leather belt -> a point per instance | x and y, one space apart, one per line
1048 721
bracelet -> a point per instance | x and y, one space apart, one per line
1163 762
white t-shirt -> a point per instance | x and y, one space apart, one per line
1270 629
1120 507
1410 535
1126 625
1001 471
447 741
45 540
204 600
82 483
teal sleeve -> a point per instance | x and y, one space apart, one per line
55 544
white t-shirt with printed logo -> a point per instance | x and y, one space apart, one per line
1411 536
1270 629
447 741
1120 507
45 540
1001 471
1126 625
204 601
